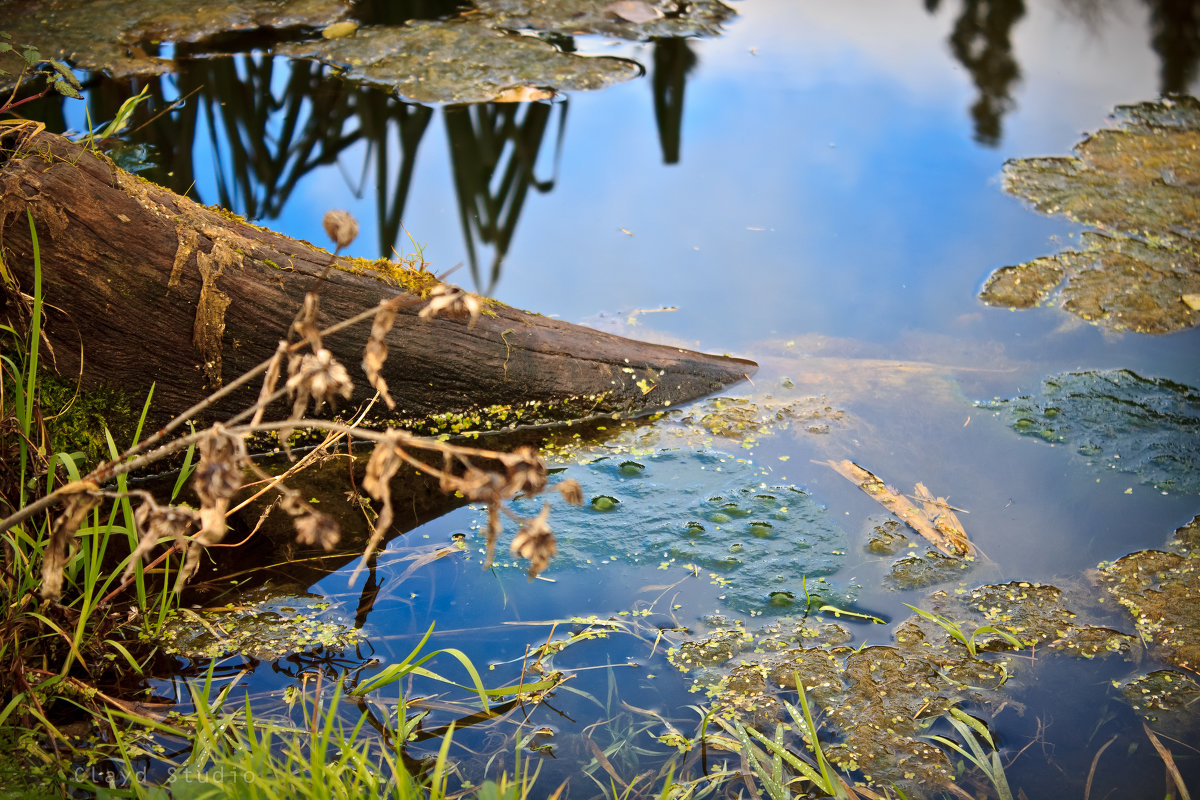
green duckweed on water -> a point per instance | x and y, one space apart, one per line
1138 184
265 624
1117 420
705 509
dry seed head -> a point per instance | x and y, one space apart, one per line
453 301
321 377
54 559
341 227
535 542
305 323
571 491
316 527
219 474
526 472
155 523
375 353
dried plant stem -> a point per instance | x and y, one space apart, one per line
130 460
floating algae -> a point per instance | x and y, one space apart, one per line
459 61
1139 185
1118 420
1166 699
265 625
877 703
635 20
108 34
719 513
917 571
1161 589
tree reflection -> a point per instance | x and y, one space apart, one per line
982 42
1175 36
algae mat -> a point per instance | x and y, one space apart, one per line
1138 185
462 61
1116 420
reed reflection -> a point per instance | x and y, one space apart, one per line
673 61
982 42
494 150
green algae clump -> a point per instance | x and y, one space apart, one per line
1117 420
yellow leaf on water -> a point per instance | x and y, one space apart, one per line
339 30
523 94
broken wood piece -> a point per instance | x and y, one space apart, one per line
935 520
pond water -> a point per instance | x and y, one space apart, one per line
817 188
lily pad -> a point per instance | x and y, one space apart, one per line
460 61
718 513
1117 420
1138 184
106 34
635 20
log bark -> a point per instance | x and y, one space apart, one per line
145 286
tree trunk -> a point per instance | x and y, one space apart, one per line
146 286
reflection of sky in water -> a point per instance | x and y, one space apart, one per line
830 184
828 180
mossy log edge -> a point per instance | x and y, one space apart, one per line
147 286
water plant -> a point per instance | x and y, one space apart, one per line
766 756
973 731
30 66
237 753
959 633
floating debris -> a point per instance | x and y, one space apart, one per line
1117 420
1161 589
1139 185
935 519
109 35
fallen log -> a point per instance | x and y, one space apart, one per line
145 286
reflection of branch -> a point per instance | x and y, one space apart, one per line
493 145
673 60
412 120
272 137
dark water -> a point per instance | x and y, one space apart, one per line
820 183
